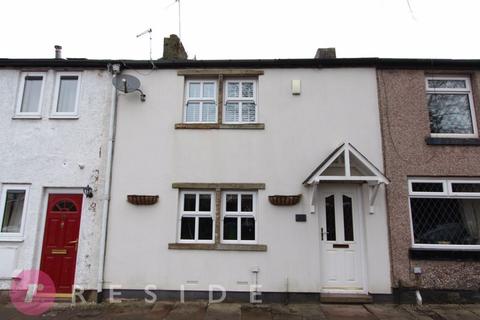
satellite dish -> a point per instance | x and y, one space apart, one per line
127 83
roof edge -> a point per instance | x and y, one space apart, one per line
380 63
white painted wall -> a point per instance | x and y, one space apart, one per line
335 105
45 153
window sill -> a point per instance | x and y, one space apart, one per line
433 141
219 247
25 117
59 117
445 254
11 239
246 126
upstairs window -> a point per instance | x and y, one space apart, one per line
30 94
201 102
66 95
240 101
450 107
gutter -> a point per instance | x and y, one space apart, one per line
115 70
380 63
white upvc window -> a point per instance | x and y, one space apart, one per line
197 216
13 206
240 101
66 96
200 101
445 213
450 106
30 95
239 217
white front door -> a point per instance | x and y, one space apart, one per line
341 238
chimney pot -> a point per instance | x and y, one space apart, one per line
58 52
173 48
325 53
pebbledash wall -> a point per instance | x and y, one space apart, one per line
336 105
405 127
55 155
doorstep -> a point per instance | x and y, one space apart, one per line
58 297
345 298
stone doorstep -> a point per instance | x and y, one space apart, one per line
343 298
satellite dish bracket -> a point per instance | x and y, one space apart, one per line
143 97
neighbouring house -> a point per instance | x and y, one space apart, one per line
429 115
261 175
54 125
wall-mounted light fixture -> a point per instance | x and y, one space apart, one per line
296 87
88 191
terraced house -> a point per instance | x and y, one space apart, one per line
54 125
250 175
289 179
429 114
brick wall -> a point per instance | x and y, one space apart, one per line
405 125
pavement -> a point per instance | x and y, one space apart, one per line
200 310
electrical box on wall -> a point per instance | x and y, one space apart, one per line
301 217
296 87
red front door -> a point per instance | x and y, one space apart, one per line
60 241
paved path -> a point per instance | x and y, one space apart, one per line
225 311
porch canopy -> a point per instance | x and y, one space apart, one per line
347 164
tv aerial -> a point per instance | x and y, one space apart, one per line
179 16
127 84
149 31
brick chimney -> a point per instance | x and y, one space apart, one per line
325 53
173 48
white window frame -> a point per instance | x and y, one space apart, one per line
201 100
426 193
447 194
239 214
196 214
38 113
65 115
13 236
466 90
240 100
463 194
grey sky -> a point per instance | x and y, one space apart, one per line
235 29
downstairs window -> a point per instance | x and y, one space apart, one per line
13 210
197 216
445 213
238 217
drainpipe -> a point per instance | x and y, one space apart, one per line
115 70
417 271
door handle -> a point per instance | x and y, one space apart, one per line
74 242
323 232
